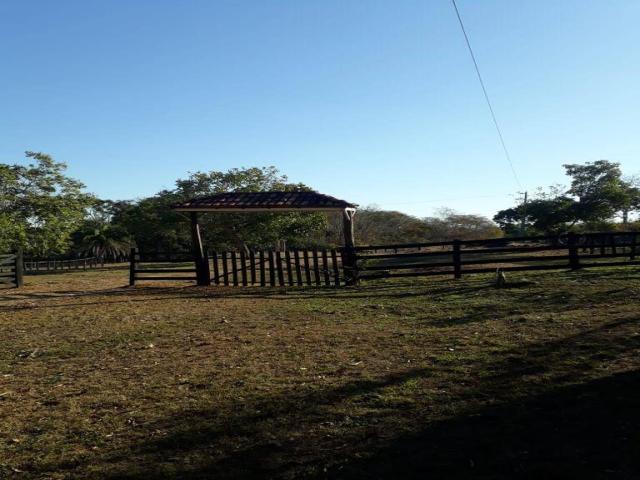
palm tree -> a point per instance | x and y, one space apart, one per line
105 242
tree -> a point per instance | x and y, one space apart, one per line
451 225
373 226
99 237
600 191
597 195
155 226
548 215
40 206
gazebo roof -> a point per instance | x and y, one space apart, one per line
235 202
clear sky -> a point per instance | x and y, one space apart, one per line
372 101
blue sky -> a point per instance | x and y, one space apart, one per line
372 101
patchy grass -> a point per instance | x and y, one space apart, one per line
387 380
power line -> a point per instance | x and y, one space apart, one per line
486 95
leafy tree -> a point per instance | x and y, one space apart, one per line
600 191
596 196
549 215
451 225
153 225
40 206
99 237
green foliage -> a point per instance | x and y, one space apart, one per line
40 206
597 195
154 226
99 237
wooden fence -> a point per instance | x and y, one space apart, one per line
54 264
158 266
11 272
318 267
347 266
462 257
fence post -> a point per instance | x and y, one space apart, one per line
19 268
572 245
350 266
132 267
634 240
457 263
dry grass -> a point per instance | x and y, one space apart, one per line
387 380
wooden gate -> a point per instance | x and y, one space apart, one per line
317 267
264 268
11 270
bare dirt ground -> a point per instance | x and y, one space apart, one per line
421 379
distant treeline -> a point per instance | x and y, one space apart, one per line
48 214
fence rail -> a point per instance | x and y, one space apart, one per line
55 264
346 266
11 270
461 257
159 266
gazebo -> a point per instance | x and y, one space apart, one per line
261 202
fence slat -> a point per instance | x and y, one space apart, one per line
272 270
252 261
325 268
263 280
316 267
287 257
296 257
216 269
336 268
243 262
234 268
225 269
307 267
280 271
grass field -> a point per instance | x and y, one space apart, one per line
426 379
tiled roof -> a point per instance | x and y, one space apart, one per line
235 201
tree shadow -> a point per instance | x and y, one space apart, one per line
576 424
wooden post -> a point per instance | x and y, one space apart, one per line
198 250
19 269
457 263
572 245
350 260
132 267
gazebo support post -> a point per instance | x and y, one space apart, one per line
350 260
198 251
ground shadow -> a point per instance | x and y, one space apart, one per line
583 426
